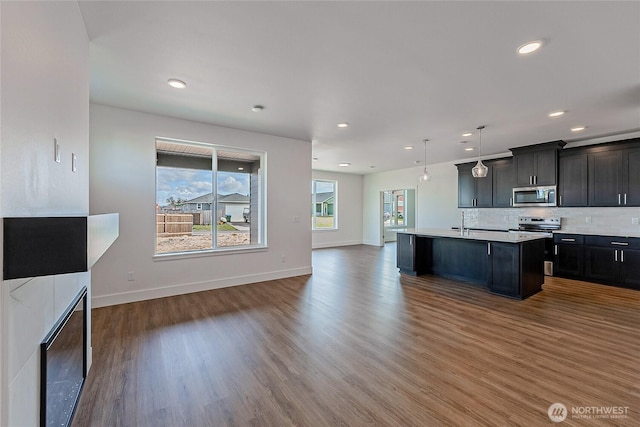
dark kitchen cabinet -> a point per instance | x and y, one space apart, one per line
605 178
461 259
413 254
474 192
630 268
631 176
572 180
503 182
614 177
505 268
568 251
613 260
537 164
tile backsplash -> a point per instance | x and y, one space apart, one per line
604 221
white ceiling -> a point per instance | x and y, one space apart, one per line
397 72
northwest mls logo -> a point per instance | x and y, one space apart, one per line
557 412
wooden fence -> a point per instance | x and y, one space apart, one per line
174 225
202 217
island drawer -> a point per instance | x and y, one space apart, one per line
568 239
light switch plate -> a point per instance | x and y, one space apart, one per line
56 150
634 221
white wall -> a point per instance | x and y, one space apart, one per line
45 94
123 180
350 197
436 201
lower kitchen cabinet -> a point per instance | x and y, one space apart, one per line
413 254
630 268
505 269
568 254
460 259
602 259
508 269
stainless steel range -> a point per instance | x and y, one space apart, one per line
535 224
544 227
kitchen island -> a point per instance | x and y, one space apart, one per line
508 264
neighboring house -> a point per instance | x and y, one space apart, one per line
325 203
200 203
228 204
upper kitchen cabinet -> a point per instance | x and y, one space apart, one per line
631 176
503 182
605 178
572 179
474 192
614 174
537 164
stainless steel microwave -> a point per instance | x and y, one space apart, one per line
534 196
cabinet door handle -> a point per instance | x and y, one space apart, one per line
620 243
619 199
615 256
535 179
489 248
561 200
555 250
621 255
568 240
625 198
411 237
530 179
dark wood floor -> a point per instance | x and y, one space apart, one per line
357 344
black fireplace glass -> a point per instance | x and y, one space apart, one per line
64 364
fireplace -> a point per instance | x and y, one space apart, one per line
64 364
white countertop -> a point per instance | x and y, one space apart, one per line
489 236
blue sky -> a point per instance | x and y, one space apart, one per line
191 183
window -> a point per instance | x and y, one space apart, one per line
208 197
324 213
393 210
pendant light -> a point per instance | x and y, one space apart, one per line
480 170
425 176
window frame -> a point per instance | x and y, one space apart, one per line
260 217
314 213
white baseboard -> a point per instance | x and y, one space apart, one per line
372 243
186 288
335 244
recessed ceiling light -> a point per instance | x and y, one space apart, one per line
343 125
467 134
178 84
315 159
257 108
240 168
529 47
556 113
469 149
578 128
464 141
372 166
344 165
408 147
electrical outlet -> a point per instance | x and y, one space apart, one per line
283 258
130 276
588 220
634 221
296 219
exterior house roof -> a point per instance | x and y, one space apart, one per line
324 197
226 198
233 198
205 198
